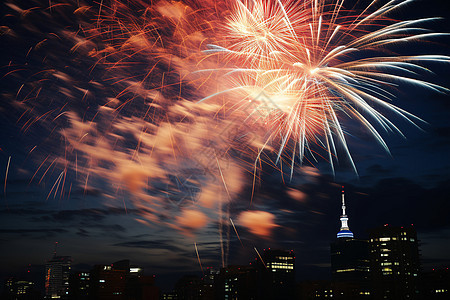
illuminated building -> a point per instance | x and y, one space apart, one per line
121 281
57 271
169 296
350 265
19 289
395 264
9 286
107 282
345 230
79 285
277 274
436 284
208 289
315 290
236 282
188 287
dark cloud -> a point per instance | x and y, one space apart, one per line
34 233
112 228
58 230
378 169
149 244
71 215
82 232
80 215
23 211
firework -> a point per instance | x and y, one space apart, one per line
309 64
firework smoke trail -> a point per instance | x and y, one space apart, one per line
6 178
237 234
6 174
305 57
260 257
198 257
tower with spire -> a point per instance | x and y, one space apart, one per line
345 230
349 262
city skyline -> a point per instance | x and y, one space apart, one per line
110 222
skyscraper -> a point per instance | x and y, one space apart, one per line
395 263
119 280
57 271
79 285
350 266
236 282
277 274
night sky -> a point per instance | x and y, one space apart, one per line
102 222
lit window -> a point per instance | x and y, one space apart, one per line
135 270
345 270
385 239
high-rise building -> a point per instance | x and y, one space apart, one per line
119 280
236 282
79 285
395 264
350 265
57 271
188 287
276 274
107 282
208 289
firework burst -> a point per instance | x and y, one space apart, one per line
316 63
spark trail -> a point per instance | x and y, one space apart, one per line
6 175
198 257
237 234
